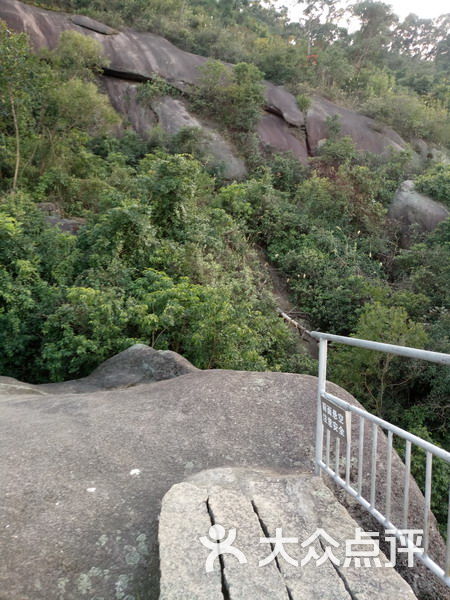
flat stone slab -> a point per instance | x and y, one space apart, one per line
255 504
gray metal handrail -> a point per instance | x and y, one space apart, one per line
431 450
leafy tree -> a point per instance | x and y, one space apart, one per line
235 96
172 183
425 267
373 377
88 327
77 55
436 183
15 76
371 40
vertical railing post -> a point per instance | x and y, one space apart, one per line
447 552
321 387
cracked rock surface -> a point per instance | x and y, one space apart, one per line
256 503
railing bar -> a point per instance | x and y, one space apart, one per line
427 446
406 484
338 451
348 455
361 454
447 553
373 466
328 447
426 516
438 357
389 476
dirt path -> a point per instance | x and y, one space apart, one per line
277 285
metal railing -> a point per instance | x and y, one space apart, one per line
334 416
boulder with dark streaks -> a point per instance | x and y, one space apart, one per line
276 134
139 56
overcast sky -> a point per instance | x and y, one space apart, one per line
422 8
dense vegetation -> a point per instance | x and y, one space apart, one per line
165 251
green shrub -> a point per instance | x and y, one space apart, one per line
435 182
78 55
233 95
335 151
303 102
410 116
374 376
287 171
155 88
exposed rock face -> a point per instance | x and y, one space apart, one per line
367 134
173 116
428 151
275 133
53 216
256 504
135 365
71 226
124 98
86 465
283 103
132 55
415 211
139 56
93 25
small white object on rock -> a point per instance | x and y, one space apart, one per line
91 490
135 472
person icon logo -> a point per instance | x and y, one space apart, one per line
220 543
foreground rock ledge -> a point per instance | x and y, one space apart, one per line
256 503
85 465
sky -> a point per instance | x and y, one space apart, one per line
422 8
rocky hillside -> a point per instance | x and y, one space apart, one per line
137 57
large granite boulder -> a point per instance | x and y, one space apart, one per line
85 466
173 116
124 96
131 54
284 104
367 134
416 212
276 134
430 152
